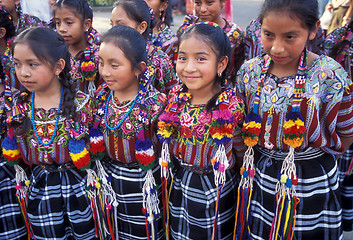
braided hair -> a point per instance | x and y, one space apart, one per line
6 22
49 47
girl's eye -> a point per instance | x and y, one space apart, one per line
290 37
69 23
115 66
181 58
100 63
33 65
197 3
201 59
268 35
210 3
16 64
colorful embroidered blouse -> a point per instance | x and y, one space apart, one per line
253 43
162 73
193 144
344 56
326 105
120 143
167 40
34 153
27 20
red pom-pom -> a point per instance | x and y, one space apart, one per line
82 162
144 158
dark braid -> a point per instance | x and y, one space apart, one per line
2 73
49 47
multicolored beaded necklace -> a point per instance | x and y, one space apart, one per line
100 187
221 129
294 130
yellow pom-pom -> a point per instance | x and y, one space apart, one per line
27 182
98 185
284 178
251 142
213 160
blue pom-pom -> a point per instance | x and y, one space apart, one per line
252 117
294 116
216 165
95 132
245 173
153 190
76 146
143 145
9 143
289 183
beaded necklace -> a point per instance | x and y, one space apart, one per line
56 121
125 116
294 130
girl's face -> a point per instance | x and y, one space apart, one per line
197 65
119 17
284 38
9 5
158 6
32 73
70 26
116 69
209 10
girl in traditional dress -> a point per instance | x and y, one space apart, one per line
163 36
73 21
127 114
136 14
201 127
299 120
47 129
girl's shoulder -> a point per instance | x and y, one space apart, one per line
335 37
159 59
233 30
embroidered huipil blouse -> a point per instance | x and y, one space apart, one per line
161 70
120 143
167 39
335 38
327 104
33 152
192 143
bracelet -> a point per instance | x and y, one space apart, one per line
347 19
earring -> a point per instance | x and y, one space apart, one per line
219 74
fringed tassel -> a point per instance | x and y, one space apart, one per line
283 223
166 171
22 186
93 190
247 172
220 165
91 89
108 197
215 223
150 202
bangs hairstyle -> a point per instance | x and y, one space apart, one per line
49 47
130 41
304 10
6 22
138 11
80 8
215 38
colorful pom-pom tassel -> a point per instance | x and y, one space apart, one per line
10 150
97 146
79 154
